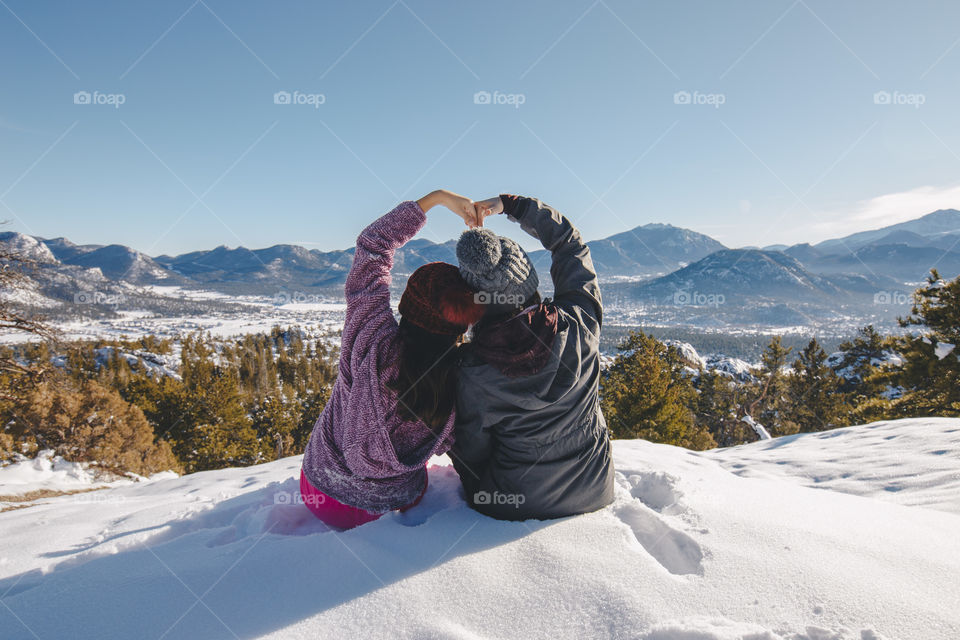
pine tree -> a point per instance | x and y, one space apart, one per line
88 422
814 399
930 376
719 409
274 420
646 394
767 398
865 368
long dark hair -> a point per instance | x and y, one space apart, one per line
495 318
426 384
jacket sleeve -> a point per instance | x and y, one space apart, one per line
368 284
575 281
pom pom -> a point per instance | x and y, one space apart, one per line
478 250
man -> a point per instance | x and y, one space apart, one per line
531 441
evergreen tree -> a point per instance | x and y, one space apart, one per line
813 396
865 374
719 409
767 398
88 422
274 420
930 376
646 394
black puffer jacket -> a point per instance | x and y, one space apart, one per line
536 445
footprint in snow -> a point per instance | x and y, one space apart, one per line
655 493
675 550
658 490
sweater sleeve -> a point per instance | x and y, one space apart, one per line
367 288
574 277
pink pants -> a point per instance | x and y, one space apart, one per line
337 514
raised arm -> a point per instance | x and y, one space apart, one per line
368 284
574 278
367 288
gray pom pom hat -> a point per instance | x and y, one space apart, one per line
497 268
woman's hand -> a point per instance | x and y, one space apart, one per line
488 207
460 205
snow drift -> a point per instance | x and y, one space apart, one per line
851 533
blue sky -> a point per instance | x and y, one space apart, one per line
782 139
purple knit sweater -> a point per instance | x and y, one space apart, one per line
361 452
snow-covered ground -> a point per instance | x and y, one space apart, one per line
738 543
52 473
908 462
258 314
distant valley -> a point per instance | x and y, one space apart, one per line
654 274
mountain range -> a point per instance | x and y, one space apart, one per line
671 270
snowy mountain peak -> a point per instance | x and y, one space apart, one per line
27 246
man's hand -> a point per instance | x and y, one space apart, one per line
488 207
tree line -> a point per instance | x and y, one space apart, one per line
227 403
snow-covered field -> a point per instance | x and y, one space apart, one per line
258 314
49 472
854 533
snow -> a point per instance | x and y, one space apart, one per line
888 359
943 349
688 353
913 462
694 547
52 472
734 368
259 314
756 426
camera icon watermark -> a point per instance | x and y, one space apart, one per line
914 100
714 100
683 297
96 97
98 297
891 297
485 497
297 97
499 98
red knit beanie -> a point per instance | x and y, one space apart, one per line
438 300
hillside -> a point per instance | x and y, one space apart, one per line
848 535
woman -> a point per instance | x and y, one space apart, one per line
392 406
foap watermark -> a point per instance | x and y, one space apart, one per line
98 497
298 97
710 99
485 497
296 297
497 297
899 98
98 297
891 297
498 97
695 298
295 497
96 97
